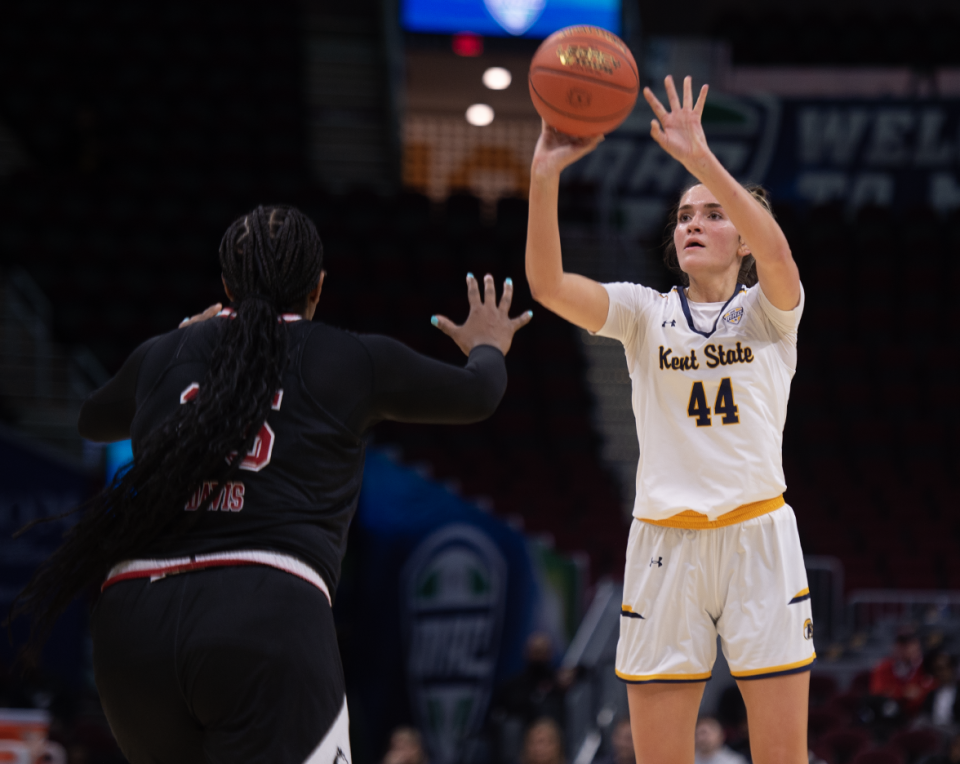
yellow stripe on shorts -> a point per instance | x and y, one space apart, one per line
663 677
759 673
697 521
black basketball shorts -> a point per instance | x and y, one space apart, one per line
220 666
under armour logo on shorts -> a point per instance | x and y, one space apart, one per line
658 562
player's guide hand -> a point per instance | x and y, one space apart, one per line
488 323
208 313
679 131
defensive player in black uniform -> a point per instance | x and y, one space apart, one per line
218 550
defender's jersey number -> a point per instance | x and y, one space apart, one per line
261 451
723 406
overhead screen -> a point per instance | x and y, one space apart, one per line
508 18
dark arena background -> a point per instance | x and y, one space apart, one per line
133 133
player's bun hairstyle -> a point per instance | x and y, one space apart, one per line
748 266
271 259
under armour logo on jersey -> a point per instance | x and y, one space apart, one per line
658 562
672 323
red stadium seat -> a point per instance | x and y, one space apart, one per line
914 744
860 572
879 756
843 745
823 688
913 572
860 684
823 720
847 704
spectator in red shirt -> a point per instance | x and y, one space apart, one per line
901 677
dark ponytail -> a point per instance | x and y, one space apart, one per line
271 259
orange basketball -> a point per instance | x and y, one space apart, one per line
583 80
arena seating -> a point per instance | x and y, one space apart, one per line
141 158
866 450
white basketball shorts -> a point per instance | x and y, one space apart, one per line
745 582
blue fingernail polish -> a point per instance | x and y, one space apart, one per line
434 320
508 281
469 275
530 313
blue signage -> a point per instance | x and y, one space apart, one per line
507 18
886 153
442 601
37 484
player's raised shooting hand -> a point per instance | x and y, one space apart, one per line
679 131
488 323
556 151
208 313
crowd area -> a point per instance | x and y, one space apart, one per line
903 710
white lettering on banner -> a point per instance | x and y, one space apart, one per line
822 187
888 143
452 648
831 135
732 154
932 149
944 192
874 188
607 162
454 594
657 170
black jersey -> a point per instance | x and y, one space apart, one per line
298 487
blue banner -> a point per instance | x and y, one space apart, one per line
507 18
443 598
889 153
38 484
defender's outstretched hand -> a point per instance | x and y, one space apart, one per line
488 323
556 151
208 313
679 131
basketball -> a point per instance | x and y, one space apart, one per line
583 81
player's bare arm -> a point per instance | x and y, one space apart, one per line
580 300
198 317
680 133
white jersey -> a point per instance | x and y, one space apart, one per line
710 399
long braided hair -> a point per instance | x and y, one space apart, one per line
271 259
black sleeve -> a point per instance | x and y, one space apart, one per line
107 413
409 387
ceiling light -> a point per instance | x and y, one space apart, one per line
497 78
480 115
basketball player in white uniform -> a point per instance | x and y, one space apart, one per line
713 548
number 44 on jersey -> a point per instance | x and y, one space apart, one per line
723 405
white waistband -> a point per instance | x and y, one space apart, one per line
157 569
